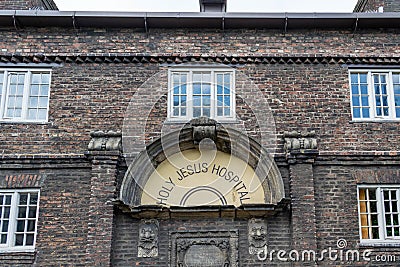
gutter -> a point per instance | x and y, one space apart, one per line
79 19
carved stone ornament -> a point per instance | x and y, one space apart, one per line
299 142
204 249
257 235
203 128
148 239
105 141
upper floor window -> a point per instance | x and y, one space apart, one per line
24 95
379 214
375 94
18 219
201 92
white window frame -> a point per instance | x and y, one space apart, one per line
189 91
383 240
371 94
12 227
26 94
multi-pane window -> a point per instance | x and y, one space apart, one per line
24 95
379 213
375 94
18 221
201 92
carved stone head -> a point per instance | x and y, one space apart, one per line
257 236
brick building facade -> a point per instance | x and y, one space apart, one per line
308 103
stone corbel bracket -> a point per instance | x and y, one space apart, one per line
105 141
300 143
203 128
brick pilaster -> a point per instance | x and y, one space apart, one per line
104 153
301 151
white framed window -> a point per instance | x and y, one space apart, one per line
197 92
379 214
375 94
24 95
18 222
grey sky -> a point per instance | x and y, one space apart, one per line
193 5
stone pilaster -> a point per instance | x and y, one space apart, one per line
301 149
104 153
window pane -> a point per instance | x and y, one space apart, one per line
34 90
176 101
32 212
36 78
219 89
183 101
220 78
32 114
3 239
176 112
6 212
354 78
196 101
8 200
364 89
183 89
206 89
23 198
363 78
197 77
219 112
42 114
4 228
197 88
20 226
19 239
183 111
365 112
21 212
396 89
227 101
29 239
31 226
33 102
206 112
196 112
206 101
44 90
356 113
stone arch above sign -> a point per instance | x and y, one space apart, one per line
178 172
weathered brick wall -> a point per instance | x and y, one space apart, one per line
90 96
336 204
315 42
63 211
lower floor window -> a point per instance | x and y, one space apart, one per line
379 213
18 222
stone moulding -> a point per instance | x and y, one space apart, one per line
303 143
105 141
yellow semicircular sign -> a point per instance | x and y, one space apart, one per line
194 178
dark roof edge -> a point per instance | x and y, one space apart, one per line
47 18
